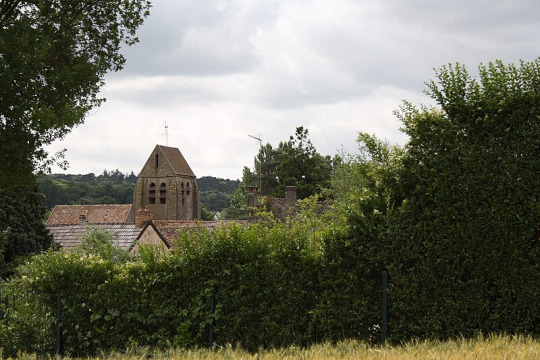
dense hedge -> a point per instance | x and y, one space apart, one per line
463 248
274 286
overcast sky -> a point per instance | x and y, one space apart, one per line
218 71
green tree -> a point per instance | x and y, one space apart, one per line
21 227
98 241
295 162
238 209
266 165
206 215
54 55
365 189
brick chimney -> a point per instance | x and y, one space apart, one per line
290 195
142 217
82 219
252 196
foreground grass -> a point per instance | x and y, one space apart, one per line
492 347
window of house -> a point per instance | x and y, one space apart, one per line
163 193
152 193
156 162
187 189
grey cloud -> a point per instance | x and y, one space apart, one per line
171 92
197 39
392 43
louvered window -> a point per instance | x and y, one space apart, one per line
163 193
152 193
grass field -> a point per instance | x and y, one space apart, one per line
492 347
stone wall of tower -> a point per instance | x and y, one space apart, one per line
167 195
169 198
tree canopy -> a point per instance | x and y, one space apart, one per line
295 162
54 55
22 231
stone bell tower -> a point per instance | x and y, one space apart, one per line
167 186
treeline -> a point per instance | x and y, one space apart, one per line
114 187
111 187
216 192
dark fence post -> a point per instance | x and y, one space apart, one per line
59 342
4 313
384 307
212 312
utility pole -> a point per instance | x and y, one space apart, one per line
260 162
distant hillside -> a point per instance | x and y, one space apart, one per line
215 192
113 187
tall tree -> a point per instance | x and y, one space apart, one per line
302 166
21 226
54 55
454 216
265 176
295 162
238 209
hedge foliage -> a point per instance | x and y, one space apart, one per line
275 285
464 245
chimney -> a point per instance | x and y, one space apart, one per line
142 217
82 219
290 195
252 196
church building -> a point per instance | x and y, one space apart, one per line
166 196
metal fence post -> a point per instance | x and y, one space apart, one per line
212 312
59 342
384 307
4 314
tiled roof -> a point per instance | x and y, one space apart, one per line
70 235
176 160
170 229
95 214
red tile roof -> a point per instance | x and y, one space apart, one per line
95 214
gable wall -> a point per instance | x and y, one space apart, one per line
149 237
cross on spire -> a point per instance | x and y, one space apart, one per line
166 134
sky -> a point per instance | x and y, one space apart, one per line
217 71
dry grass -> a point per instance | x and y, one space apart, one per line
492 347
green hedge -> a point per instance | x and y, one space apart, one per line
273 285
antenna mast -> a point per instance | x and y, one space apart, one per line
260 162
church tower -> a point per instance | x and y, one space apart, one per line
167 186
